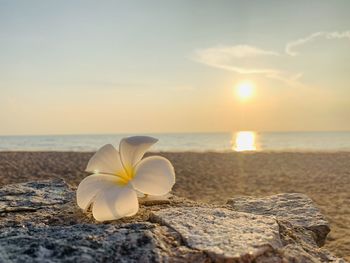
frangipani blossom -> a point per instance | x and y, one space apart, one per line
119 176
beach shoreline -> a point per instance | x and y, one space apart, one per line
214 177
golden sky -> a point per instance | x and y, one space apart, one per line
173 66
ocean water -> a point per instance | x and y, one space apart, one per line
221 142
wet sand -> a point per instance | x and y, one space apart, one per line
215 177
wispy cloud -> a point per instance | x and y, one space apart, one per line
292 46
223 56
237 51
246 59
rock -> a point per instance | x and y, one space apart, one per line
231 236
84 243
298 209
33 195
222 233
138 242
37 203
40 222
299 245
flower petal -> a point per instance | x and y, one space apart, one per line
133 148
154 175
91 186
114 203
106 160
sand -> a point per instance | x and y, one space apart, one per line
215 177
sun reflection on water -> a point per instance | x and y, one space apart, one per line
244 141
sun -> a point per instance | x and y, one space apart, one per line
245 90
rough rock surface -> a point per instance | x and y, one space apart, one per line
90 242
298 209
33 195
40 222
222 233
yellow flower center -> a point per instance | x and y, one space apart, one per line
125 175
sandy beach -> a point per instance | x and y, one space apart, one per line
215 177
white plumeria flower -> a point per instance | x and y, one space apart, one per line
119 176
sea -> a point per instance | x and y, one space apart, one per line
197 142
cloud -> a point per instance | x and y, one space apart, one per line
293 45
223 56
237 51
246 59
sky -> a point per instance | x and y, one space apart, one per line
84 67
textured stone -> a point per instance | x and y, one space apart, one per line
134 242
84 243
222 233
49 202
299 245
33 195
298 209
231 236
40 222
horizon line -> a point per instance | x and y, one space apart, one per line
168 133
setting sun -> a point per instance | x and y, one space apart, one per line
245 90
